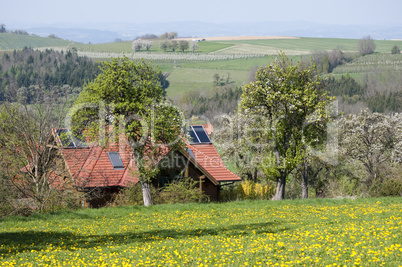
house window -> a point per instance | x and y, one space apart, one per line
116 161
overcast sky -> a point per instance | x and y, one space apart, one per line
77 12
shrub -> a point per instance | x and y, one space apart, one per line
390 185
179 191
128 196
248 190
182 191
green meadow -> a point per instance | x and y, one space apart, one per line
314 232
10 41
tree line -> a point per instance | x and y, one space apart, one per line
31 74
165 45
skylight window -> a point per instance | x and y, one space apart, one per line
116 161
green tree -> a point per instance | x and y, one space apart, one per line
183 45
395 50
281 104
132 96
164 45
173 45
3 28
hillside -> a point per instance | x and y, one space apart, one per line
233 57
10 41
236 58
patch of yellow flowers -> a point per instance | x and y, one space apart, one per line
248 233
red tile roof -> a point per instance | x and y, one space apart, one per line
91 167
209 159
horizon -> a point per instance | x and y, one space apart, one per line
344 12
102 22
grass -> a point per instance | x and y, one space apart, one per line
299 46
126 47
314 232
307 45
10 41
184 79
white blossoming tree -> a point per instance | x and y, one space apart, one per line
373 140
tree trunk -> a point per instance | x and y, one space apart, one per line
146 193
255 175
280 186
304 182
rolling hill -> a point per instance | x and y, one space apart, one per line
10 41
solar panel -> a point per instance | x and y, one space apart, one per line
79 140
69 140
65 138
202 135
194 137
116 161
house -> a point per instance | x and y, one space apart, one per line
102 170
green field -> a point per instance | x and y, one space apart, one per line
315 232
126 47
189 70
265 47
307 45
195 70
10 41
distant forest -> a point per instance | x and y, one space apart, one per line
30 76
352 97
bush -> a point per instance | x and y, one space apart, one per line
390 185
182 191
179 191
128 197
248 190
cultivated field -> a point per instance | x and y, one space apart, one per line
236 56
230 55
344 232
238 38
372 63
